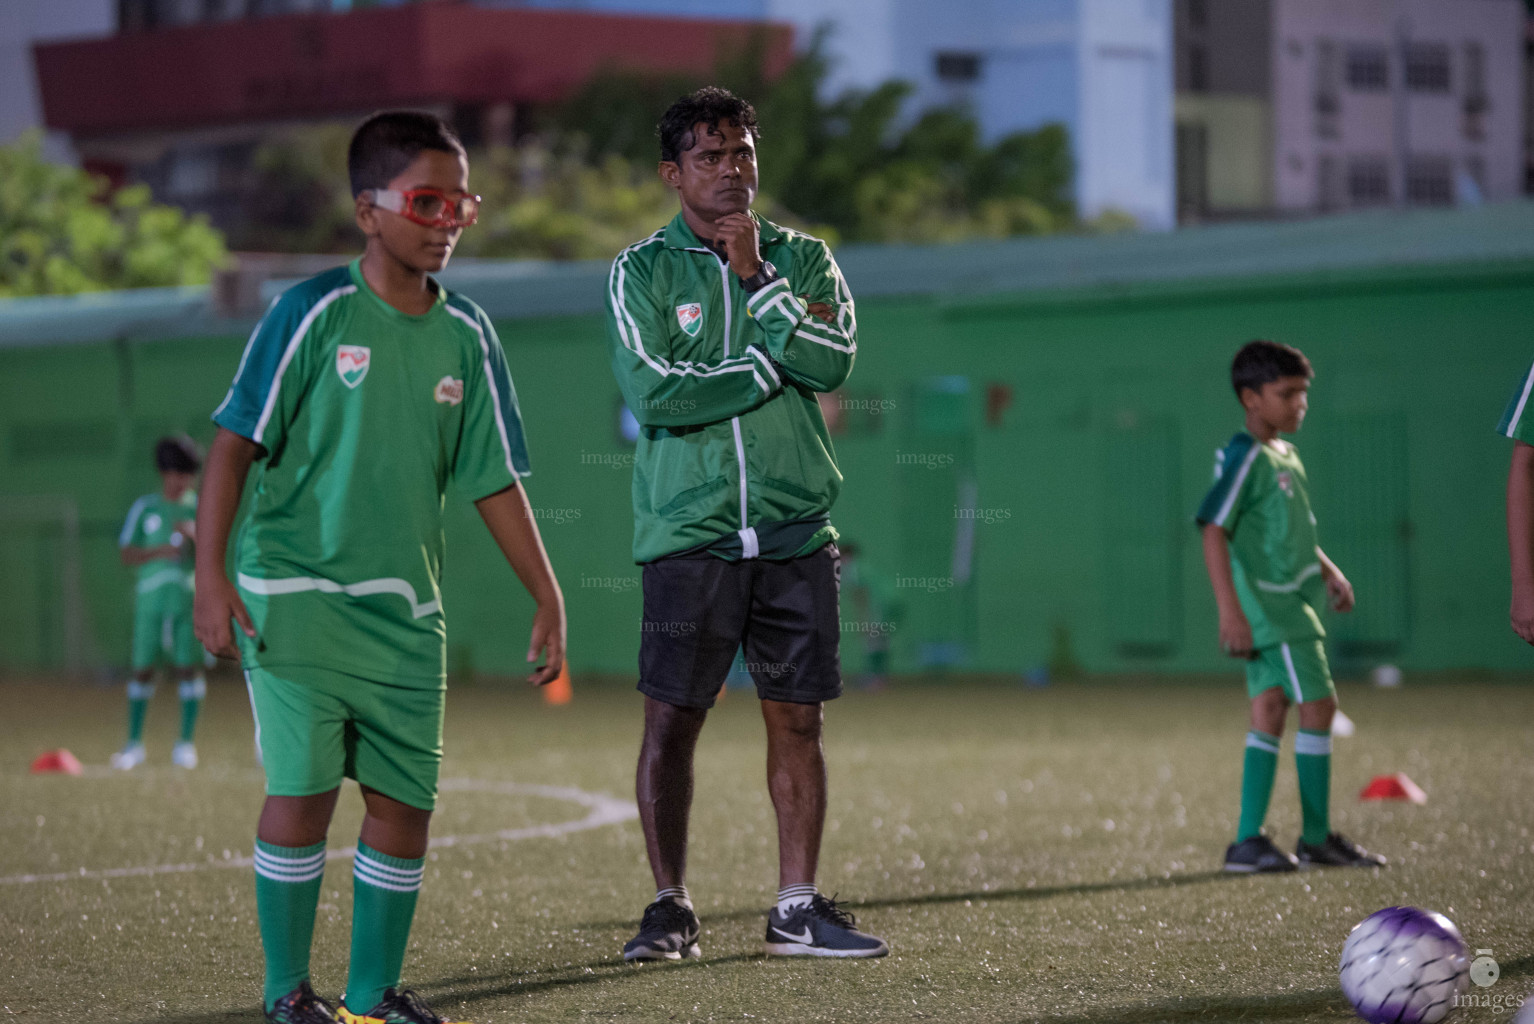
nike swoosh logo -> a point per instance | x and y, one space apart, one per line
807 939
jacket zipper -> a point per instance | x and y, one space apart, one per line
749 545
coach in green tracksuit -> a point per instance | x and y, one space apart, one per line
723 329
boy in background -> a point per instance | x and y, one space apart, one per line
1270 576
156 540
363 392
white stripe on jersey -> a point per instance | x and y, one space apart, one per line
1523 400
287 354
366 588
1235 486
495 393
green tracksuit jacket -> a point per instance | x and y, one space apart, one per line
732 445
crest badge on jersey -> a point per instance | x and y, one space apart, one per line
1286 482
352 362
449 390
690 316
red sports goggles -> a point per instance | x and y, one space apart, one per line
429 207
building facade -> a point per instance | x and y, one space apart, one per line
1314 106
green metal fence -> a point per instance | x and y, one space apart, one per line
1027 432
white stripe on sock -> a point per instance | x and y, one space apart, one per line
1305 743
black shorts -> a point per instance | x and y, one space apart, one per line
699 610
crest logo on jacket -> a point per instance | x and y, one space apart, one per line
449 390
352 362
690 316
1286 482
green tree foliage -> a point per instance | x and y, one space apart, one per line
63 232
853 163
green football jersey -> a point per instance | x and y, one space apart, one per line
152 523
366 414
1518 419
1260 499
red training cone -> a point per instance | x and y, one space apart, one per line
1393 787
60 761
558 691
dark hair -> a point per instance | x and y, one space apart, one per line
1262 362
708 105
384 144
177 455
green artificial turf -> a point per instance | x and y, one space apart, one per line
1029 855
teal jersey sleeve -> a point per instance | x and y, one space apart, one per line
132 535
1233 483
279 360
492 449
1518 419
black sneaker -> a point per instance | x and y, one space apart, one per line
1337 852
301 1006
668 931
819 928
399 1006
1258 855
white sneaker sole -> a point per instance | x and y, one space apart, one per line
801 949
647 953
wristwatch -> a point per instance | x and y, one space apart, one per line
761 279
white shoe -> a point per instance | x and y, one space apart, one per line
184 755
128 757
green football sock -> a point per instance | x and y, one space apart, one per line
192 692
384 891
1257 782
288 881
1313 763
138 706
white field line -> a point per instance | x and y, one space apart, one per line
601 810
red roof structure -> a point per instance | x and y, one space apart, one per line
314 65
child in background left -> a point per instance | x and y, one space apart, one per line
156 541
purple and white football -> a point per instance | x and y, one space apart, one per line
1404 965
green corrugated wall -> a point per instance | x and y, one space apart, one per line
1063 439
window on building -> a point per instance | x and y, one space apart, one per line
1368 181
958 67
1429 180
1476 102
1368 67
1328 100
1198 68
1427 67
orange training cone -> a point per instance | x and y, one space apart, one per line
60 761
558 691
1393 787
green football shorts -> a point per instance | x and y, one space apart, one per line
162 624
315 726
1298 668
